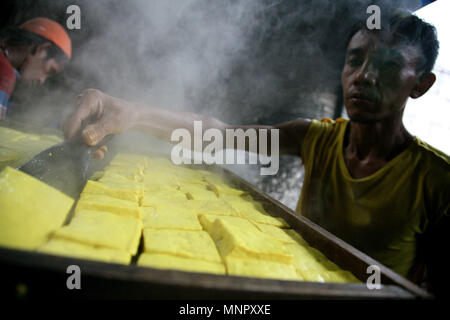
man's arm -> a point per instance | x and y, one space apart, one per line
4 101
115 116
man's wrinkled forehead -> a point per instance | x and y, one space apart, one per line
368 41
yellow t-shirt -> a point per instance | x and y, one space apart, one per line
382 214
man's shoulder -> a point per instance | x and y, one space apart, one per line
435 162
322 137
6 69
331 122
327 125
432 154
7 75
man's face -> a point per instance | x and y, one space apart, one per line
37 67
378 77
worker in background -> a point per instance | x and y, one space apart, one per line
31 52
367 179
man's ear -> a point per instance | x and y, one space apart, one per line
42 50
425 82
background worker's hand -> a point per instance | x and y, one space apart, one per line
111 116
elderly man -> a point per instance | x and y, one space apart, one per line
367 180
31 52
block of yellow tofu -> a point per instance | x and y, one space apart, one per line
122 176
17 147
30 210
215 206
323 259
127 163
123 170
162 196
260 269
340 276
214 178
220 186
264 218
296 236
121 191
159 162
242 204
197 192
136 186
103 229
188 244
9 156
247 243
166 261
119 177
207 221
224 189
177 207
131 158
153 187
170 217
186 172
304 259
310 275
8 134
277 233
236 199
254 211
205 173
194 181
99 202
190 176
307 258
75 249
12 136
155 177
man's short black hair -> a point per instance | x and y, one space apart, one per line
409 29
16 37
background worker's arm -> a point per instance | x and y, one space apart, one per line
116 116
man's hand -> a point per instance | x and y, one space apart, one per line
111 116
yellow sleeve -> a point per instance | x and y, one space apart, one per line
316 136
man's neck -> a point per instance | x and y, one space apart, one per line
369 146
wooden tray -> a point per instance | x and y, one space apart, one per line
41 275
38 275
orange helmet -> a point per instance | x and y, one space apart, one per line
50 30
